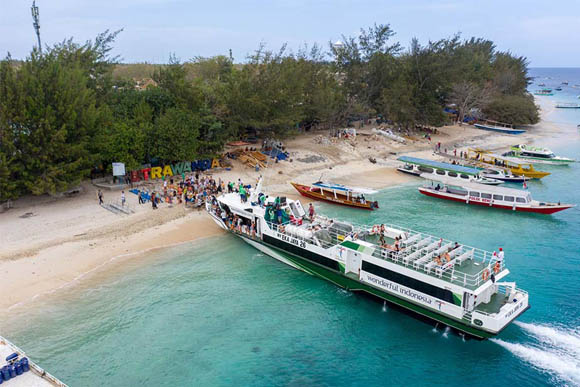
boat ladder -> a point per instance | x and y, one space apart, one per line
466 317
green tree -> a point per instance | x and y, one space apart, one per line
176 133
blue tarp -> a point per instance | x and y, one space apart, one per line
276 153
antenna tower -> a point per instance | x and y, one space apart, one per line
36 23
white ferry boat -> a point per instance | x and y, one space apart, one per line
537 155
449 283
417 167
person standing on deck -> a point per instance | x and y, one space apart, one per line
500 256
311 212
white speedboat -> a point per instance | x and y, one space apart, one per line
500 174
416 166
537 155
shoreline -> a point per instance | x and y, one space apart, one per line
67 241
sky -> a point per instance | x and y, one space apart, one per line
546 32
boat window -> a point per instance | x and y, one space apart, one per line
426 169
420 286
497 197
520 200
486 196
440 172
474 194
452 174
508 198
464 176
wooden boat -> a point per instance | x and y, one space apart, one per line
500 127
484 195
516 166
338 194
416 166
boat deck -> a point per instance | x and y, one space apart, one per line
494 305
36 377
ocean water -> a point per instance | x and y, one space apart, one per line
218 312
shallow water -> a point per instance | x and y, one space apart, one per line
217 312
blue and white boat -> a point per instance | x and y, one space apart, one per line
500 127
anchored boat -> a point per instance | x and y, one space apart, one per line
500 174
545 92
518 167
537 155
449 283
338 194
482 195
499 127
416 166
567 105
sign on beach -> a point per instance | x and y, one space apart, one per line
170 170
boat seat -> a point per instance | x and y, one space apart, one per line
411 257
463 257
439 270
430 265
414 239
443 249
422 261
422 243
455 252
432 246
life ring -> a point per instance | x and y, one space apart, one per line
376 229
485 275
496 267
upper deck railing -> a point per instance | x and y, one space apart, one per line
417 251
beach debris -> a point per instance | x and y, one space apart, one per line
312 159
373 160
322 140
27 215
389 134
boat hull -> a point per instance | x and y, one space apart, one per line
537 160
305 191
344 281
537 210
500 130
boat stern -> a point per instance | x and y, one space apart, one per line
508 308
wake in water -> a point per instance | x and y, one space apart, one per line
557 351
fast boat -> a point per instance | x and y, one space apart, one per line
338 194
443 281
545 92
416 166
567 105
537 155
518 167
500 174
482 195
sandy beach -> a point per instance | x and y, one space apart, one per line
51 243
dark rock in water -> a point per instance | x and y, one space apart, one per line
256 349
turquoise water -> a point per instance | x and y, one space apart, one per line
218 312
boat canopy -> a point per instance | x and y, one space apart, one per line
439 165
512 160
475 186
344 188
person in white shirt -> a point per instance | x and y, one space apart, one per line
500 256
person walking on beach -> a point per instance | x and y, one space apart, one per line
153 201
100 196
122 198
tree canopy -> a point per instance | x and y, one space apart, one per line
65 112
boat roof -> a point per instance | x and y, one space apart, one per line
512 160
344 188
440 165
475 186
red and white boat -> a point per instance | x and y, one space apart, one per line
489 196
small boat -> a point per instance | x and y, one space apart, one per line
483 195
537 155
516 166
416 166
338 194
545 92
541 84
565 83
558 89
567 105
500 174
499 127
